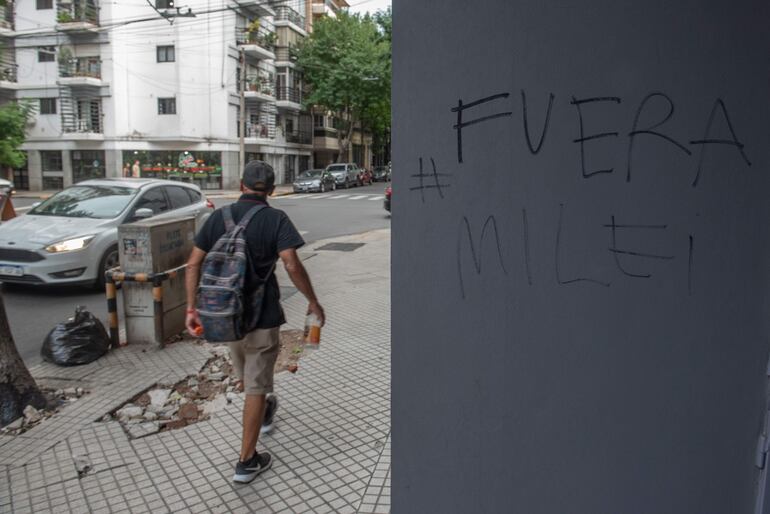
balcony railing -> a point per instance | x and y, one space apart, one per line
6 16
302 137
260 130
265 86
7 69
288 94
265 39
77 11
286 13
285 54
81 67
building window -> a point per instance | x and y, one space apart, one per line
87 164
166 105
48 106
44 4
51 160
166 53
318 121
289 126
46 54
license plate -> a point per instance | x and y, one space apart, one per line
10 270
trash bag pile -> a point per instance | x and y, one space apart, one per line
79 340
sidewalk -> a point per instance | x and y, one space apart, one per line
331 441
280 190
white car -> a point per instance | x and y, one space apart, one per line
72 237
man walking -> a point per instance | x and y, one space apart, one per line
270 235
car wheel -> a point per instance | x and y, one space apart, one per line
334 186
110 260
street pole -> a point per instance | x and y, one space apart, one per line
242 120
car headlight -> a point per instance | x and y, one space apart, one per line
317 182
69 245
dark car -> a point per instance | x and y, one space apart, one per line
380 174
388 194
314 181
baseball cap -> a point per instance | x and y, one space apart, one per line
258 176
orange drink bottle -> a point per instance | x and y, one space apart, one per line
312 331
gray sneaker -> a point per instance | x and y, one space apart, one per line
247 471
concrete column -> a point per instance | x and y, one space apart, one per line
66 156
34 170
113 163
231 174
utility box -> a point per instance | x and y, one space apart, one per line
152 247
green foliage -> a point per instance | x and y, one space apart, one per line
346 63
13 120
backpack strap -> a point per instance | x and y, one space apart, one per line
250 214
227 215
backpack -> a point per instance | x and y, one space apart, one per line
220 299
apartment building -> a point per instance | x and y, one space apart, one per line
128 88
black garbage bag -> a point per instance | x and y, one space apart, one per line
78 340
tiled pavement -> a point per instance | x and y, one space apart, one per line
331 441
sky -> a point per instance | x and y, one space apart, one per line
362 6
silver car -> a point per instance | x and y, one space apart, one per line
72 237
345 174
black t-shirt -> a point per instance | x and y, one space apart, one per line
269 232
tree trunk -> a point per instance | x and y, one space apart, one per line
17 387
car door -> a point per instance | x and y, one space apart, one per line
182 203
153 199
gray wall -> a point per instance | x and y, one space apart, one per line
539 365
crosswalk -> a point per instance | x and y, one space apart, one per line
331 196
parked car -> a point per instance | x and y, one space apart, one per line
314 181
381 174
364 177
388 195
72 238
345 174
6 187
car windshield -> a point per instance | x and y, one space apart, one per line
310 174
336 167
100 202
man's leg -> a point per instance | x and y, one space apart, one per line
253 412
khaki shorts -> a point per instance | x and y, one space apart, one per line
254 359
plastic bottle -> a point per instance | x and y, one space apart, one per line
312 331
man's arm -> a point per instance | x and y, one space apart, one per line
301 280
192 276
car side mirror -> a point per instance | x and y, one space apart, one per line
142 214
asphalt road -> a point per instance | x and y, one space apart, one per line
33 311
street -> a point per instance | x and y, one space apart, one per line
33 311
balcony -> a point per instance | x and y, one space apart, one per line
285 55
259 131
259 7
81 118
80 72
77 16
288 98
8 72
301 137
260 89
259 45
286 16
6 19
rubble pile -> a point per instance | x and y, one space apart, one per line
56 399
188 401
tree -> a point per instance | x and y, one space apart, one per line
17 387
13 128
346 63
